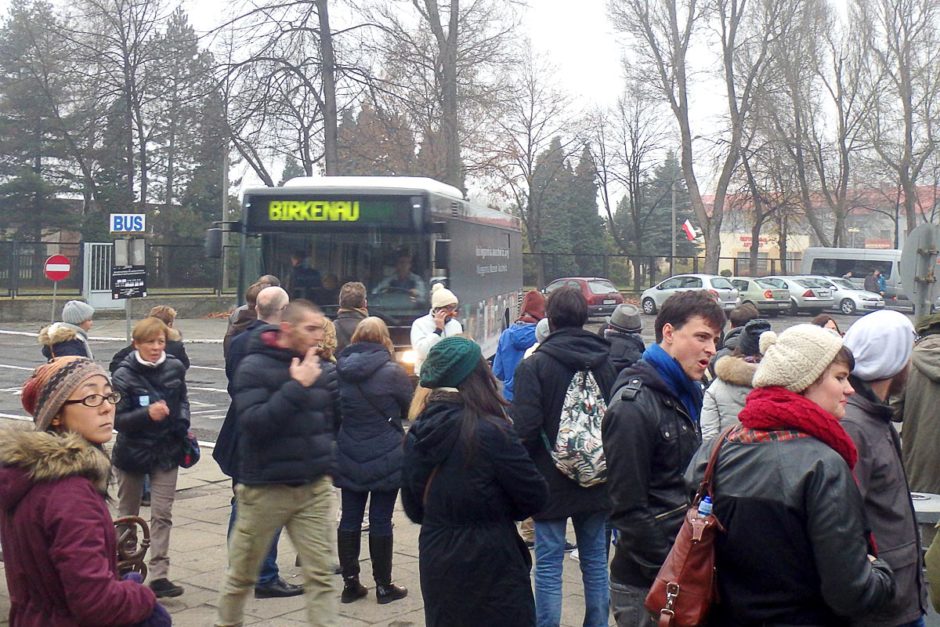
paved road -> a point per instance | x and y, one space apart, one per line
19 354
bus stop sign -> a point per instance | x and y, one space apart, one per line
57 267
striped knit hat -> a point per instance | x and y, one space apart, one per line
51 384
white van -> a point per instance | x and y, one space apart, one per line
838 262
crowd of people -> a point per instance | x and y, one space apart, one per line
598 431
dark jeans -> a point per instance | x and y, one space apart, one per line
269 571
381 506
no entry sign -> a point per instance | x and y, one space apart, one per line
57 267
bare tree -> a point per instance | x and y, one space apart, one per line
625 142
536 112
447 62
663 32
904 40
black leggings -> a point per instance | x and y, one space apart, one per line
381 506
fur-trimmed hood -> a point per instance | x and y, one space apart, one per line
735 370
30 457
59 332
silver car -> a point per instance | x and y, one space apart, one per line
805 294
720 287
848 298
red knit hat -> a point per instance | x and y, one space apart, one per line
533 307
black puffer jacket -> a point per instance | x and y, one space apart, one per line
375 393
285 430
474 566
794 551
648 441
143 444
541 382
625 348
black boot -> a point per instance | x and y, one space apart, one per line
381 549
347 545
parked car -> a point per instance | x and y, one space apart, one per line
602 296
848 298
768 299
720 287
805 294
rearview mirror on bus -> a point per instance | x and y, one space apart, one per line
214 243
442 254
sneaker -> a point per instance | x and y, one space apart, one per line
574 555
165 588
570 547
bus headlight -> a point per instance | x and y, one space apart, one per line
408 357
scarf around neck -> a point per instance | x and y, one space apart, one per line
689 392
776 408
150 364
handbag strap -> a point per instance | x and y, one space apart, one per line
705 487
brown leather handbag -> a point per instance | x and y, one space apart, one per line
685 586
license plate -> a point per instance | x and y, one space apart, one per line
610 301
783 305
823 294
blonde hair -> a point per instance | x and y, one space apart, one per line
165 313
373 329
148 329
329 341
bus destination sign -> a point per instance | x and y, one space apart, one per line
279 213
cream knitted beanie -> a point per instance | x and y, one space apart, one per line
441 296
796 357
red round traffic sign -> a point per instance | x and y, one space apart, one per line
57 267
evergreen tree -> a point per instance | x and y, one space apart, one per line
293 169
552 184
32 151
587 226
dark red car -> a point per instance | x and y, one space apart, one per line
602 296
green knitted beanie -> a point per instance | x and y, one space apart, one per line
449 362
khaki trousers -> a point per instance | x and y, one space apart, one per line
307 514
162 494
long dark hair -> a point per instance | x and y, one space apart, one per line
482 400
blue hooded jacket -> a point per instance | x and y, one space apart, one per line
512 346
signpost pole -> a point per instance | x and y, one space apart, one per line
55 289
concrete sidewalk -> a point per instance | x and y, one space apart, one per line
198 557
194 330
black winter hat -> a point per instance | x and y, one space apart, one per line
750 337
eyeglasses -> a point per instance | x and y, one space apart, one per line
95 400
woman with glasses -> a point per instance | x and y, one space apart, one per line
60 550
152 423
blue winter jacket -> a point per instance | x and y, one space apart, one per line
512 346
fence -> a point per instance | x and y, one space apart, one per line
172 269
637 273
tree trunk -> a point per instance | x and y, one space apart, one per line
450 123
782 244
327 69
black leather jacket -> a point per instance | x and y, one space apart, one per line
795 547
649 440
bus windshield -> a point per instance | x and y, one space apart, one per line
394 267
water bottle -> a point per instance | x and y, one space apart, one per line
705 507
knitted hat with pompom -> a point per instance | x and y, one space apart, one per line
795 358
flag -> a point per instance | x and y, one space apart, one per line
691 233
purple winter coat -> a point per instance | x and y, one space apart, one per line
59 543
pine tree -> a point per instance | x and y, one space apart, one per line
552 184
587 226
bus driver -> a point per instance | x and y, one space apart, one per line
404 280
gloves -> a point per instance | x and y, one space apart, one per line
133 576
158 618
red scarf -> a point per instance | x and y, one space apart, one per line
775 408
